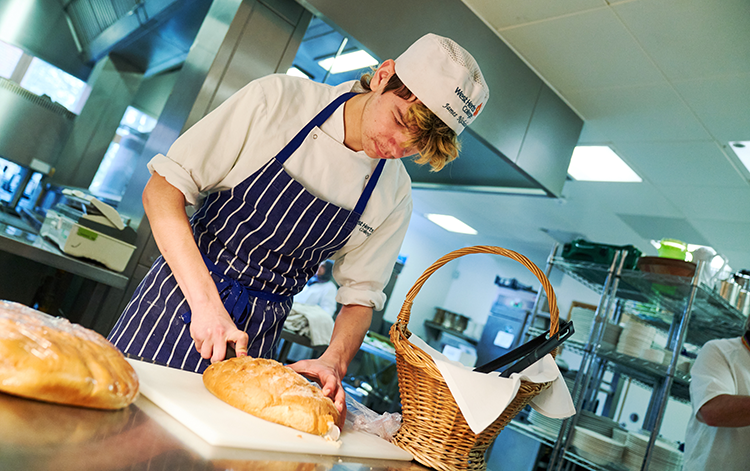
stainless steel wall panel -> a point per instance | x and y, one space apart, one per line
549 141
187 86
291 12
114 84
257 53
41 28
514 88
31 127
260 42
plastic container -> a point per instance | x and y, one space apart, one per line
672 248
585 251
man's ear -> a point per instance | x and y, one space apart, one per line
382 75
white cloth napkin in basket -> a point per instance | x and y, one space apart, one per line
482 397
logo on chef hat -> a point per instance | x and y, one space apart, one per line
446 78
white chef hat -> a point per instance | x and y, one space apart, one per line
446 78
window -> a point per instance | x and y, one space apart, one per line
118 164
9 57
42 78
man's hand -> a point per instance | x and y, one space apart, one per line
210 326
212 329
328 370
328 376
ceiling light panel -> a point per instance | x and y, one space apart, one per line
450 223
742 150
599 164
350 61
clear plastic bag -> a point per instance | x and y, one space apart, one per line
361 418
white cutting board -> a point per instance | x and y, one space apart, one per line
183 396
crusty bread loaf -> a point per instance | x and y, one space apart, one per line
49 359
271 391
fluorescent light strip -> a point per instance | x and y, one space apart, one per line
480 189
295 72
450 223
350 61
599 164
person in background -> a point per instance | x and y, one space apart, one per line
718 432
320 290
290 173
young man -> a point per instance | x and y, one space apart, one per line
293 173
718 433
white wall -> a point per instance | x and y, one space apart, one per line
421 249
466 285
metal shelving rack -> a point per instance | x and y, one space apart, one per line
687 312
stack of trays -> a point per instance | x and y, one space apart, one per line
546 425
635 339
611 336
665 455
583 320
596 447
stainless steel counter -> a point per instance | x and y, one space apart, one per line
36 436
18 238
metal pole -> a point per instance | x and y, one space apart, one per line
597 371
338 53
676 343
582 377
541 295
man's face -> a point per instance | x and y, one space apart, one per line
384 133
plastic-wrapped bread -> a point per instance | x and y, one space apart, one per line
271 391
49 359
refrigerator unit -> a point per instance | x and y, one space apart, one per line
505 324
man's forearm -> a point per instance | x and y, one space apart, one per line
349 330
726 411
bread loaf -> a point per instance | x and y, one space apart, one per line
271 391
49 359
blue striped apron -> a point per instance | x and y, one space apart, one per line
261 241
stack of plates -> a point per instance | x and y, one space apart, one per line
583 320
665 455
611 336
684 364
654 355
635 338
596 423
596 447
545 424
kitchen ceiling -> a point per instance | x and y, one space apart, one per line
665 84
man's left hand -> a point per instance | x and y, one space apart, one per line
325 373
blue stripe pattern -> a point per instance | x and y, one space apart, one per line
268 234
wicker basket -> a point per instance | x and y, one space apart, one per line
433 428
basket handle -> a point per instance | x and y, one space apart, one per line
403 315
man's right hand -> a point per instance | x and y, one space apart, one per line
212 329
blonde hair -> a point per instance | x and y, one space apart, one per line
437 143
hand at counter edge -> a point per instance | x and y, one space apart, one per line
349 330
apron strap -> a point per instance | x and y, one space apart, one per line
365 196
235 296
318 120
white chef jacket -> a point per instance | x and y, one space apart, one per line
722 367
248 129
319 294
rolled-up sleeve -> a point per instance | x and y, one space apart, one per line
711 376
363 272
202 157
